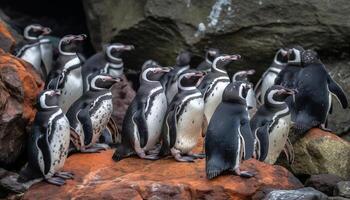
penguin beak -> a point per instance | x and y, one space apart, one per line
251 72
58 92
80 37
162 70
290 91
233 57
212 53
46 31
128 47
284 53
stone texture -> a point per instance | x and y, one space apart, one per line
123 94
320 152
342 189
97 176
323 182
19 86
303 193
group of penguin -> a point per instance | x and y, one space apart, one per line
173 107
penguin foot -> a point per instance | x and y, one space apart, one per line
91 150
65 175
197 155
56 181
324 128
180 158
101 146
243 174
156 150
150 157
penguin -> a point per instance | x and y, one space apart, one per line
182 64
271 123
214 84
67 74
89 115
107 62
229 138
313 100
251 99
210 55
36 49
48 143
268 78
144 118
184 118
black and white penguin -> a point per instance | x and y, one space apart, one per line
184 118
144 118
48 143
108 62
313 100
89 115
67 74
210 56
268 78
251 98
36 49
270 125
229 138
170 79
214 83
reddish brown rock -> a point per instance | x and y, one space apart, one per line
97 176
7 41
123 94
19 86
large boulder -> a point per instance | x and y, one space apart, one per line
97 176
320 152
19 86
255 29
303 193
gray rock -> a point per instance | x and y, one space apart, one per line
303 193
342 189
323 182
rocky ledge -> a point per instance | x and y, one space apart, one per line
98 176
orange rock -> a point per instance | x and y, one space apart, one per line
97 176
7 41
19 86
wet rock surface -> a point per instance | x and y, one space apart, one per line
320 152
325 183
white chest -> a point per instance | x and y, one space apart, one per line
268 81
189 125
33 56
214 99
100 118
72 89
277 138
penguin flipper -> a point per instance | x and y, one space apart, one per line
140 119
336 90
263 137
248 139
171 121
85 120
43 145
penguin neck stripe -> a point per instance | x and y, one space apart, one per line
215 68
208 61
280 114
144 75
234 78
186 88
63 52
73 62
25 47
152 92
271 100
275 70
109 54
43 104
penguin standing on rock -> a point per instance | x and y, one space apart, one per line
184 118
214 83
107 62
313 100
210 56
268 78
49 142
182 64
67 74
271 125
89 115
36 49
144 118
251 99
229 137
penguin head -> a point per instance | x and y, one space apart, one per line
149 64
220 62
35 31
48 99
309 57
281 56
154 73
211 54
190 79
243 75
294 55
69 44
277 94
237 92
183 59
100 81
114 51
